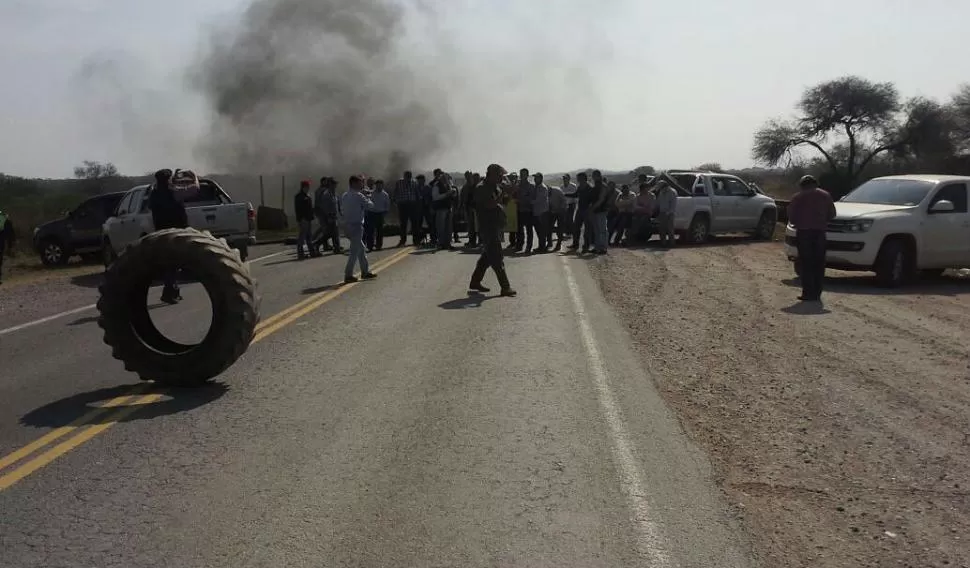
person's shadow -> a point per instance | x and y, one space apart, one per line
807 309
473 300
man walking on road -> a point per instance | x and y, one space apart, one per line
7 239
408 201
810 211
666 211
557 217
303 208
374 224
491 222
327 209
355 205
167 213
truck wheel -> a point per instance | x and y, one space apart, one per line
894 264
699 230
128 328
52 253
766 226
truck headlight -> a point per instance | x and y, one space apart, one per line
860 226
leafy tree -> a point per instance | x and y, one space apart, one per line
850 121
91 170
645 170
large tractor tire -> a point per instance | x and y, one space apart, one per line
128 327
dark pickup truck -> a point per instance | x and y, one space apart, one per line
78 233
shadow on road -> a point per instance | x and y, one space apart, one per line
866 286
318 289
473 300
67 410
88 280
807 309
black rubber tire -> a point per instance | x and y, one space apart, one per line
49 257
894 264
695 236
108 254
766 225
128 328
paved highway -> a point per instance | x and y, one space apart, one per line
398 422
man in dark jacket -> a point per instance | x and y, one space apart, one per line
810 211
303 208
167 213
327 209
7 239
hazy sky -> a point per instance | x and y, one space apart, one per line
610 84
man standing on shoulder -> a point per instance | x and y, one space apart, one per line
491 222
408 202
469 209
374 224
558 210
441 196
354 205
7 239
303 208
666 212
810 211
599 211
167 213
527 196
540 212
585 195
571 191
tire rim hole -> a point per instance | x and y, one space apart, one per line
185 324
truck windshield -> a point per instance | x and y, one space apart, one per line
905 192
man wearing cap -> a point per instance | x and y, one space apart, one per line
167 213
491 221
810 211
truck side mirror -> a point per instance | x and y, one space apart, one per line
942 206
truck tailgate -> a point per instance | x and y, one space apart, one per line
221 220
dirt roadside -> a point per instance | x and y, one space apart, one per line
843 436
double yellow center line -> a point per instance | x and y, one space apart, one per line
118 408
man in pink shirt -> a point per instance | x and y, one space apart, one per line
810 212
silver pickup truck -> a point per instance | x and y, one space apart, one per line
711 203
208 209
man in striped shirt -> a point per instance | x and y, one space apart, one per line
407 198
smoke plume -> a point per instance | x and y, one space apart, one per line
318 86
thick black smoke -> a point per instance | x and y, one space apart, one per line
318 86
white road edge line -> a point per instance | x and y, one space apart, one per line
268 256
649 540
47 319
40 321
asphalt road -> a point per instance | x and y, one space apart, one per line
399 422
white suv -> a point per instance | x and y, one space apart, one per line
898 225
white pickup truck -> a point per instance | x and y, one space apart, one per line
896 226
711 203
209 209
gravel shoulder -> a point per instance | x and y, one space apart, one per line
842 435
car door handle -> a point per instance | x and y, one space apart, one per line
210 217
209 209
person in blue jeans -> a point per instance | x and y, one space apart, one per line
355 205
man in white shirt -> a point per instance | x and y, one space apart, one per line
354 206
557 217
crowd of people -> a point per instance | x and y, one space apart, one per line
590 214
